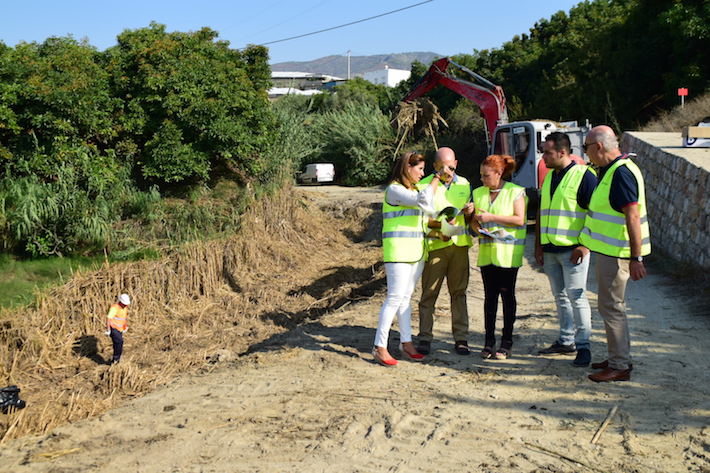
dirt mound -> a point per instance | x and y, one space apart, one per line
205 303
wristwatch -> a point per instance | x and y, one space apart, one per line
637 258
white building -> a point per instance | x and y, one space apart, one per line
387 76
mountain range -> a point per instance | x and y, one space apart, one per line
338 65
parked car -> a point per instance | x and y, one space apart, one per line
317 173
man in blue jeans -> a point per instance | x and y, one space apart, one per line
564 200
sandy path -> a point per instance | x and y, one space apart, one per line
312 400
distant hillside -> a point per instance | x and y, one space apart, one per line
338 65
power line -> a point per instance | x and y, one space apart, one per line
347 24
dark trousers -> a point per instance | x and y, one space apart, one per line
499 282
117 339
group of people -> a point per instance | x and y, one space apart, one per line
581 212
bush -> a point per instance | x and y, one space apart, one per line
358 140
55 218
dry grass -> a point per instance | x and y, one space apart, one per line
673 121
415 118
203 299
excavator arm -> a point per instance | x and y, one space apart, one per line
488 96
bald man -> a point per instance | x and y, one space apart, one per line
616 230
448 258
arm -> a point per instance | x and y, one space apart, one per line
633 226
515 220
539 255
111 313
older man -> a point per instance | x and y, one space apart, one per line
448 258
564 200
616 229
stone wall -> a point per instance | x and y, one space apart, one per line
677 195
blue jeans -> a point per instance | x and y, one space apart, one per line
569 283
117 339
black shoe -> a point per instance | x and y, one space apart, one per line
461 347
584 357
424 347
558 349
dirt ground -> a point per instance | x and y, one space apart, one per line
311 399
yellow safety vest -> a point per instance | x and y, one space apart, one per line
504 254
604 228
457 195
561 217
118 317
402 233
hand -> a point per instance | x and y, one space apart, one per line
468 209
539 255
108 332
637 270
484 217
578 254
446 173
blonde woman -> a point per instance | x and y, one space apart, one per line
403 213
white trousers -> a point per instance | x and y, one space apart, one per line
401 280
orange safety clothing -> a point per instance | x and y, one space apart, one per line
118 317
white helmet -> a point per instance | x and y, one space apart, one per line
124 299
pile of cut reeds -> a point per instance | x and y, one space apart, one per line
415 118
202 299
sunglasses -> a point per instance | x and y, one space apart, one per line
586 145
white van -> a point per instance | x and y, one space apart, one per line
317 173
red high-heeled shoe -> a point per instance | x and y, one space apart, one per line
388 363
416 356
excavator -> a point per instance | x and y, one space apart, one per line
523 139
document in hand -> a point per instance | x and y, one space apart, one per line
497 234
449 213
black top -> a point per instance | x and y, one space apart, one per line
584 196
624 187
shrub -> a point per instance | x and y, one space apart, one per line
358 140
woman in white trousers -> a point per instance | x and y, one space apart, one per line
403 212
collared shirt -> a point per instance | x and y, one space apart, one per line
624 189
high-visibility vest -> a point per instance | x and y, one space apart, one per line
118 317
402 233
561 217
504 254
604 228
457 195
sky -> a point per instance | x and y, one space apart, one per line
445 27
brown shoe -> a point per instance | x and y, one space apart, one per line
605 364
610 374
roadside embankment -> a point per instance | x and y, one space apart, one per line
206 302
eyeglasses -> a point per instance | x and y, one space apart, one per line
586 145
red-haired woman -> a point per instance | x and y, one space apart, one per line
500 211
403 215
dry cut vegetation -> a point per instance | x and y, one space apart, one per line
674 120
206 302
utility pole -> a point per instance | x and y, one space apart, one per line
348 64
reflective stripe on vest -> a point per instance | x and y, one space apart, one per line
605 229
117 317
504 254
457 195
402 233
561 217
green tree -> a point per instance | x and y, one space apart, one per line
56 106
190 103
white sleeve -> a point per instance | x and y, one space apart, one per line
400 195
